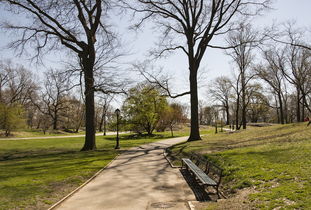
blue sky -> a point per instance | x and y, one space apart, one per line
216 63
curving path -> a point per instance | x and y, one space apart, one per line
138 179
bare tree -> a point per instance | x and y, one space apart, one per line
298 74
190 26
221 90
257 104
76 25
17 84
54 97
271 73
104 105
245 41
296 71
4 76
287 35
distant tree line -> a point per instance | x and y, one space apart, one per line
54 104
271 80
57 104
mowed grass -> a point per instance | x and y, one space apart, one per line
34 174
25 133
273 162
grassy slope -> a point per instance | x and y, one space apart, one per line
274 161
36 173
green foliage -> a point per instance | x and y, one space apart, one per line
170 116
275 161
11 117
143 108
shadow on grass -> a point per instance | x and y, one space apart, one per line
136 137
15 155
237 142
64 162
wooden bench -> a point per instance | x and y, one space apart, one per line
206 172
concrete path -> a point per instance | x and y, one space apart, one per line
138 179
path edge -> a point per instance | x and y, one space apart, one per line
168 160
82 185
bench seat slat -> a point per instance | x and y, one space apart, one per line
204 178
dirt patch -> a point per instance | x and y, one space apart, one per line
259 124
238 201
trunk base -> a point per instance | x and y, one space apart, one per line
194 138
86 148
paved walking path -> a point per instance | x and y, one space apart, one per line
138 179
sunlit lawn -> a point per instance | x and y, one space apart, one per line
273 161
22 133
36 173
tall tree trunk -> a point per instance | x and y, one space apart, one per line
39 123
195 129
227 113
237 112
79 124
303 108
286 111
7 133
281 109
305 102
55 119
243 101
171 127
298 105
105 124
89 143
100 127
277 109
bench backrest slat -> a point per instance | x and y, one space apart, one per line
208 167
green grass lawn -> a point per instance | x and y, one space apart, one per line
274 162
34 174
21 133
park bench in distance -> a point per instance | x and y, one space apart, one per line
205 172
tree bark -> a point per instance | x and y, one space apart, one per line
303 108
55 122
89 143
281 109
298 105
227 113
101 122
243 101
195 129
237 112
105 124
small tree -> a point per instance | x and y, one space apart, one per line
172 115
11 117
221 90
54 97
142 108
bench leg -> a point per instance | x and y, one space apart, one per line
217 190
